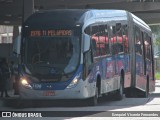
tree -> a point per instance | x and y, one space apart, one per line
156 30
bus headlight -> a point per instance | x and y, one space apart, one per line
25 83
74 82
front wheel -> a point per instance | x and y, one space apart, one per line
119 92
94 100
146 92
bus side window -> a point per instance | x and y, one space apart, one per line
147 45
119 43
102 39
87 63
138 43
95 41
107 41
125 38
150 48
113 40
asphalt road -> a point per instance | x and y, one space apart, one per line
128 108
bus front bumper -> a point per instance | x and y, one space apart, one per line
81 91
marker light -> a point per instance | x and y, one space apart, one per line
25 83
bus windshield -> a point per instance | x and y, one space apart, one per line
51 56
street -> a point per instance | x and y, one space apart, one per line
75 110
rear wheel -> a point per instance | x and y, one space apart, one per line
146 93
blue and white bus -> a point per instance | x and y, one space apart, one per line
85 54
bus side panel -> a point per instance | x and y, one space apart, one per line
123 63
127 79
111 67
140 77
120 63
109 83
149 73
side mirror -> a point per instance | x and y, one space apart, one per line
86 42
17 45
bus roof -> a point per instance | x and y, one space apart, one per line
108 13
55 17
140 22
71 16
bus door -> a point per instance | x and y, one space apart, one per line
104 46
119 49
148 69
139 63
126 59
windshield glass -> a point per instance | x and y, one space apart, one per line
52 56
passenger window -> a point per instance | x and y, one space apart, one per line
138 43
107 41
100 41
125 38
147 44
101 36
113 40
95 41
119 43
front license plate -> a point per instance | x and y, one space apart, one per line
48 93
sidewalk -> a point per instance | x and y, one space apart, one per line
12 98
9 101
157 86
11 94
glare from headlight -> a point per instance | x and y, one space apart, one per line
25 83
74 81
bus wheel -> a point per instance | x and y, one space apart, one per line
119 93
146 93
94 100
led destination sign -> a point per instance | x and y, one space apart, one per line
38 33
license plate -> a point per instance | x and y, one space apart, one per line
48 93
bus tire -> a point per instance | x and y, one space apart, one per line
94 100
146 93
119 92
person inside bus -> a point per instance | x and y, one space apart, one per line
138 46
147 48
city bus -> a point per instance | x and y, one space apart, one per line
85 54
